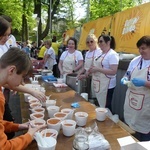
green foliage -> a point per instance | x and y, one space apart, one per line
101 8
13 9
65 12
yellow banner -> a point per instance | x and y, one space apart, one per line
68 34
97 27
129 26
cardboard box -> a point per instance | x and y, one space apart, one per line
128 143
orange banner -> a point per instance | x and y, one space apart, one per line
68 34
97 27
129 26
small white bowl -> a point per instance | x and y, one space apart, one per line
68 127
52 110
54 123
60 115
50 102
38 109
51 144
37 122
69 112
36 104
37 116
49 133
34 101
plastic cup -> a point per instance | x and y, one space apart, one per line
37 122
68 127
37 115
38 109
36 104
52 110
50 102
54 123
51 144
49 133
81 118
69 112
101 113
60 115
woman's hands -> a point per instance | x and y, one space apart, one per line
93 69
138 82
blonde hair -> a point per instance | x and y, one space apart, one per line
48 42
92 36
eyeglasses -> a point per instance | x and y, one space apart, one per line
100 41
88 42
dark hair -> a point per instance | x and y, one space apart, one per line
73 39
4 25
9 19
108 38
54 39
143 40
17 57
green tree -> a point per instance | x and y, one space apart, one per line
101 8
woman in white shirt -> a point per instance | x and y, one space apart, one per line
104 71
137 100
71 60
49 57
93 52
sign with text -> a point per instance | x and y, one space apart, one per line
129 26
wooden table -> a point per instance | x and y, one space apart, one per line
66 96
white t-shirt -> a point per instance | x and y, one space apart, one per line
96 53
77 55
111 58
51 52
11 42
137 62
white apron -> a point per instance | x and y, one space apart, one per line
69 63
100 83
50 63
137 104
89 62
87 65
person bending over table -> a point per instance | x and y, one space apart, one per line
14 64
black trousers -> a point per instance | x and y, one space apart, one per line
109 98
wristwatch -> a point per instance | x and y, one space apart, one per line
73 71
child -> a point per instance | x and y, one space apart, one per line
14 65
